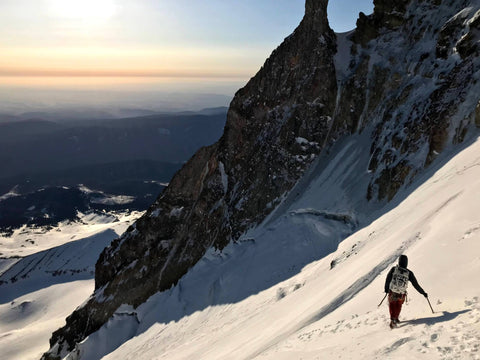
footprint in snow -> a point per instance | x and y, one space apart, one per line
397 344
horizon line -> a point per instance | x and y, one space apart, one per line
99 73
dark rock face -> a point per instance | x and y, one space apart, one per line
392 60
387 14
276 125
477 115
413 97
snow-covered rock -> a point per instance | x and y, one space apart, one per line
275 295
351 120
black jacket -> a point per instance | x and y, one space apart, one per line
411 278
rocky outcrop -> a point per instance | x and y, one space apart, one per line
407 82
388 14
417 97
276 125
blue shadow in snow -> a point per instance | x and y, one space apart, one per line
446 316
72 261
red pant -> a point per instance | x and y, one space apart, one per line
395 302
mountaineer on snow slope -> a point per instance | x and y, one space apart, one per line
396 288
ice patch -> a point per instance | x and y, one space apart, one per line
224 177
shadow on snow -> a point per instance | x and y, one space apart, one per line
69 262
446 316
288 241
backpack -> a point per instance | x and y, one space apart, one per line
399 281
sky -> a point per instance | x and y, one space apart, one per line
140 44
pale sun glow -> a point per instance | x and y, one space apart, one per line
82 9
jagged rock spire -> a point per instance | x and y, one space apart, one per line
410 96
316 15
276 125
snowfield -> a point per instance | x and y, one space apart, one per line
50 273
26 241
27 322
292 289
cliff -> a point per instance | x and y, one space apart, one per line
407 75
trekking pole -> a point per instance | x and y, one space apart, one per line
381 302
433 312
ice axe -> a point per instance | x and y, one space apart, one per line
433 312
381 302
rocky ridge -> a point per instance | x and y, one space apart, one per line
408 75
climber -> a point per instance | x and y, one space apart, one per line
396 288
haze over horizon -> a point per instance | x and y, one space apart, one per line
77 49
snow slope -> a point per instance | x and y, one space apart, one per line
26 240
291 289
27 322
38 291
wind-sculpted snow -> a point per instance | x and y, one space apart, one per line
354 289
245 268
6 263
39 289
70 262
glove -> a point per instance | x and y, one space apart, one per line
425 294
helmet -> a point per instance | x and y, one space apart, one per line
403 261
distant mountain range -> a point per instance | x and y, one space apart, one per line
77 104
44 162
